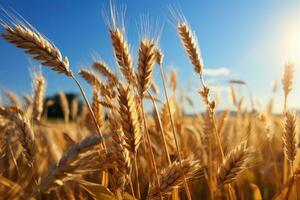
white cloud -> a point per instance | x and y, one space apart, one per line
222 71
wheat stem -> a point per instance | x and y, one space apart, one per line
91 111
137 178
150 147
161 129
174 132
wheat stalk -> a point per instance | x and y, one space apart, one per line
122 155
187 190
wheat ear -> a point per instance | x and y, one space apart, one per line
121 153
287 81
46 52
64 104
13 99
97 108
25 131
146 61
80 158
94 81
102 68
122 54
171 177
36 45
129 119
190 42
38 96
289 135
235 163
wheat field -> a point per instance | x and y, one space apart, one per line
112 147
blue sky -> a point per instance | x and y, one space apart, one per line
249 40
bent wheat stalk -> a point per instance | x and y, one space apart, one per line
44 51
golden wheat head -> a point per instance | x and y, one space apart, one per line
190 42
37 46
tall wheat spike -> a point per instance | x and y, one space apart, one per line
129 119
190 42
38 96
82 155
287 81
122 54
74 108
97 108
121 153
289 135
63 101
36 45
146 61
